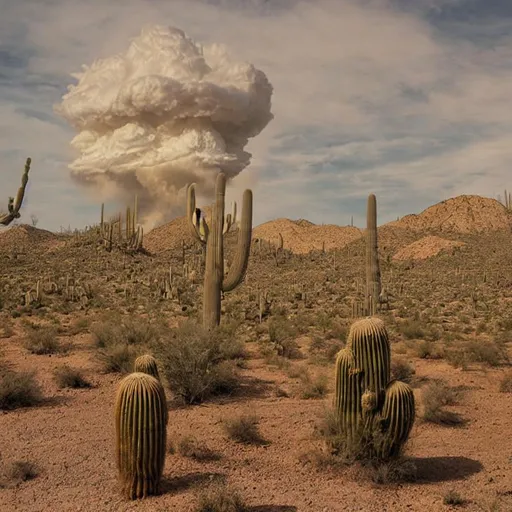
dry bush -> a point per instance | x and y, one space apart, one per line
453 498
18 472
67 377
313 387
7 328
401 369
297 371
122 340
282 336
392 471
195 362
357 454
428 350
192 448
487 352
219 498
412 329
18 389
243 429
477 351
43 340
127 330
79 325
324 351
506 383
119 357
435 396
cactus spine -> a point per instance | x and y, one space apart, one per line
146 364
141 425
373 282
370 409
213 237
14 205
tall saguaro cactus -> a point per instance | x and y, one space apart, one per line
141 425
215 282
373 281
15 203
372 411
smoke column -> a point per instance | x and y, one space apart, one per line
166 113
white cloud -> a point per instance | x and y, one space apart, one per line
367 97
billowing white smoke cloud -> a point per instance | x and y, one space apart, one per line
164 114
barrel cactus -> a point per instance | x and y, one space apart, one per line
371 410
146 364
141 425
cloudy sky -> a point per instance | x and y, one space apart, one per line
409 99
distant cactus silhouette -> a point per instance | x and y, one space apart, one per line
14 204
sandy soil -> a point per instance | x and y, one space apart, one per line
71 439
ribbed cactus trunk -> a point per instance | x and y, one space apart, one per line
141 424
212 237
371 411
373 281
14 204
214 269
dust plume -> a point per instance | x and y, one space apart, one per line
166 113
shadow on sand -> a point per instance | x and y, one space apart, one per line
250 388
445 469
182 483
273 508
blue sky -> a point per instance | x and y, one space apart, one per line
408 99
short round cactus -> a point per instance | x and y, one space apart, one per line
141 425
146 364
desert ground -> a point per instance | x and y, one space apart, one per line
73 317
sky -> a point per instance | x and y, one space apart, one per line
407 99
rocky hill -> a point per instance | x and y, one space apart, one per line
461 214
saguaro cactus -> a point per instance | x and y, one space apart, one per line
14 205
141 425
373 281
370 409
215 282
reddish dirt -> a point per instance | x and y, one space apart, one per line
71 439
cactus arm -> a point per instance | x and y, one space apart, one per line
233 213
214 269
192 215
15 204
227 224
230 219
238 268
396 419
204 230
